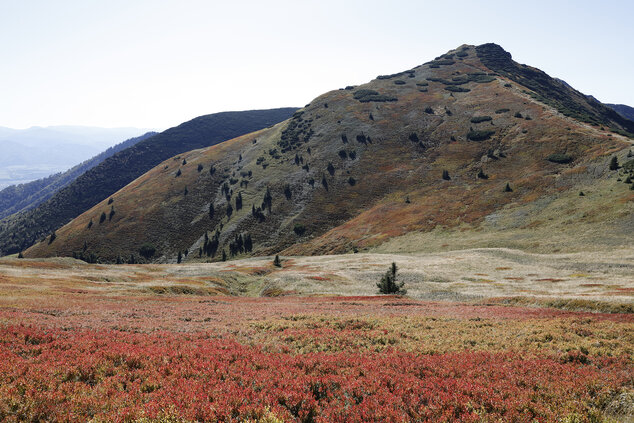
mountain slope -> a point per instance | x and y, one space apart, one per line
16 198
451 145
22 230
551 91
625 111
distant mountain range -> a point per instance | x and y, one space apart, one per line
33 153
623 110
19 231
17 198
469 149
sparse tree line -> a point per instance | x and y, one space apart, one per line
242 243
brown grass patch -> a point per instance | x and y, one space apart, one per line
254 271
36 264
186 290
567 304
276 292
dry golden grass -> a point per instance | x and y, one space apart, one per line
585 280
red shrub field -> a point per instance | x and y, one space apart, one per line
324 359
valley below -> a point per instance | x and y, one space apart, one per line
22 174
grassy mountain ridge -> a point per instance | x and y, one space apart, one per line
553 92
448 145
22 230
16 198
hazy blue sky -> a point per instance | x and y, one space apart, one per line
152 63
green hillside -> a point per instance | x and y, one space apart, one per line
463 147
19 231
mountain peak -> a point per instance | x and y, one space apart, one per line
468 141
493 50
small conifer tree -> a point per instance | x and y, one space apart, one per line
276 261
267 202
388 284
331 169
508 188
324 182
147 250
614 163
239 201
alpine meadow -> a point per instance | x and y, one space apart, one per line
453 242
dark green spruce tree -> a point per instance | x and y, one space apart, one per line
388 284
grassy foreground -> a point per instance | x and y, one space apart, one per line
158 343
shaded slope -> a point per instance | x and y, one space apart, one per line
20 231
625 111
22 197
551 91
432 147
